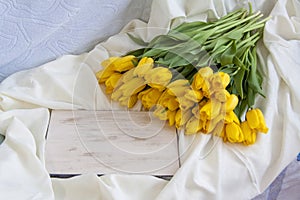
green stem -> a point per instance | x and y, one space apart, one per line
254 38
258 25
235 16
236 23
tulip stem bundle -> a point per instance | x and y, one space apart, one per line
200 77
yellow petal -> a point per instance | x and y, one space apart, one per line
143 66
104 74
253 119
157 86
172 104
215 82
231 117
127 76
179 82
161 113
123 64
150 98
198 81
171 117
206 72
210 125
158 75
128 101
177 91
219 95
225 78
111 82
192 126
234 133
231 102
218 129
108 61
133 86
196 111
182 117
249 134
142 93
116 94
206 89
185 104
193 95
211 109
132 101
263 127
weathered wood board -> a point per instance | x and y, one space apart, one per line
105 142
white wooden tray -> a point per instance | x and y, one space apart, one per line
106 142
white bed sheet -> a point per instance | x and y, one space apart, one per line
73 86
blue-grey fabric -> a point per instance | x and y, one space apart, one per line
34 32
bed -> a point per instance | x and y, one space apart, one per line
39 41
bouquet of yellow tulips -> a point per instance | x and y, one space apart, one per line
200 77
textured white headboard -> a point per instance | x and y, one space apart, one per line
34 32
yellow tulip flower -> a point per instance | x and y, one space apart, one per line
177 91
256 120
171 117
231 102
150 97
231 117
106 63
192 126
158 75
179 83
219 95
249 134
225 79
104 74
157 86
194 95
196 109
233 133
168 101
143 67
198 81
160 112
206 89
206 72
215 82
209 125
133 86
218 128
201 78
182 117
114 64
178 87
210 110
173 104
123 64
111 82
185 104
128 101
127 76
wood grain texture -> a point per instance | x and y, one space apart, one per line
106 142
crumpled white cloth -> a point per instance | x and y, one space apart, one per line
210 169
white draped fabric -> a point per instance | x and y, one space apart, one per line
210 168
